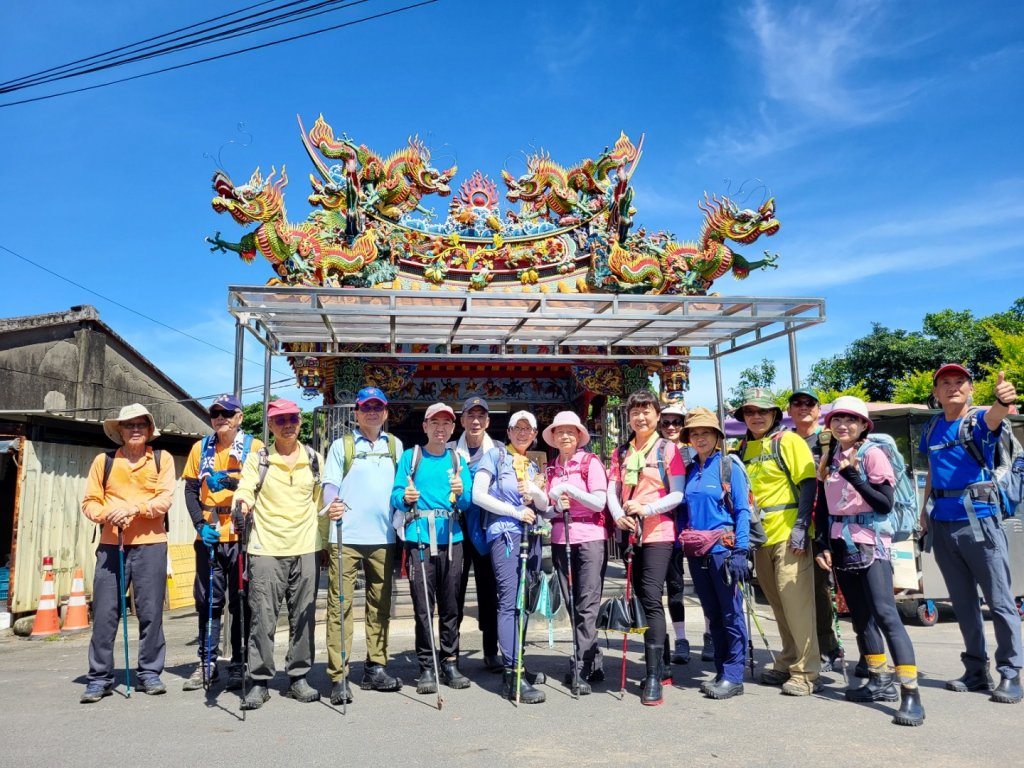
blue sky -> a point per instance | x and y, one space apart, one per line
888 133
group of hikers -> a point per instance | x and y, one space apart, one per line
803 507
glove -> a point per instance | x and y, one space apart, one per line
798 538
219 481
229 483
209 535
738 566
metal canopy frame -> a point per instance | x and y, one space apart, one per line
465 325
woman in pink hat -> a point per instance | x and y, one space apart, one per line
577 486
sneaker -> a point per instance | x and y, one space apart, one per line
94 692
708 651
257 696
302 691
152 686
772 676
682 652
235 677
376 678
793 687
195 680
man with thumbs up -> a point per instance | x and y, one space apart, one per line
964 526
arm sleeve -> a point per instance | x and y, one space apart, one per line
592 500
614 505
330 493
821 532
401 481
671 500
537 496
466 497
160 504
483 499
94 502
808 490
250 476
192 504
879 496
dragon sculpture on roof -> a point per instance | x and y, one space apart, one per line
572 231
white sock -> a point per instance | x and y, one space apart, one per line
680 628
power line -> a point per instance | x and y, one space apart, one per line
185 42
129 309
220 56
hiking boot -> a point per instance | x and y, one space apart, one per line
235 677
772 676
707 653
682 652
978 680
705 684
256 697
879 687
376 678
451 676
302 691
527 693
340 692
578 687
911 712
651 693
94 692
195 680
723 689
1008 691
152 686
794 687
426 683
493 664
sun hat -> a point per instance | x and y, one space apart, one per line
129 412
366 394
807 392
437 409
475 402
226 403
951 368
759 397
852 406
701 417
281 408
518 416
566 419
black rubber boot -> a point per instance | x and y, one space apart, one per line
651 695
976 680
879 687
911 712
451 676
527 693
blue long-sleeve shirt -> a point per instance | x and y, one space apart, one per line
433 482
705 508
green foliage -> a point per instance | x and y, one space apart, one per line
829 373
856 390
252 422
760 375
1010 358
913 387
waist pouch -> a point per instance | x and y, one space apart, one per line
700 543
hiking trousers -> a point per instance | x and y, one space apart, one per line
145 569
650 567
589 563
723 606
827 640
225 580
967 565
505 559
486 595
379 571
788 582
441 595
676 586
274 580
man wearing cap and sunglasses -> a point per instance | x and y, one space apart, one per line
358 478
970 545
211 476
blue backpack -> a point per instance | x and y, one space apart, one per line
902 522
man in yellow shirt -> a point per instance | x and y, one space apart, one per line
782 480
280 494
129 491
211 476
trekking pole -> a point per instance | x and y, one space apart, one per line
757 622
242 599
566 517
341 601
207 667
625 636
124 612
524 551
834 601
750 637
430 628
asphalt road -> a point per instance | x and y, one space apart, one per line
40 683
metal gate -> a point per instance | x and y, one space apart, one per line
331 422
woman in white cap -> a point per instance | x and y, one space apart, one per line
577 486
859 484
507 487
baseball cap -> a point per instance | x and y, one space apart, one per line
518 416
475 402
281 408
805 391
437 409
951 368
227 403
366 394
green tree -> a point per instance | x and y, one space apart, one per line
760 375
1010 358
252 421
855 390
829 373
912 387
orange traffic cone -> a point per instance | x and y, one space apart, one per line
47 622
77 618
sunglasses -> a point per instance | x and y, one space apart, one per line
290 418
671 423
372 407
134 426
218 413
803 403
756 411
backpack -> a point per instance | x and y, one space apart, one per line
659 448
348 442
264 467
902 521
775 453
108 466
1007 472
417 456
757 536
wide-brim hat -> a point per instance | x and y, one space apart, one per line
701 417
759 397
564 419
129 412
852 406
